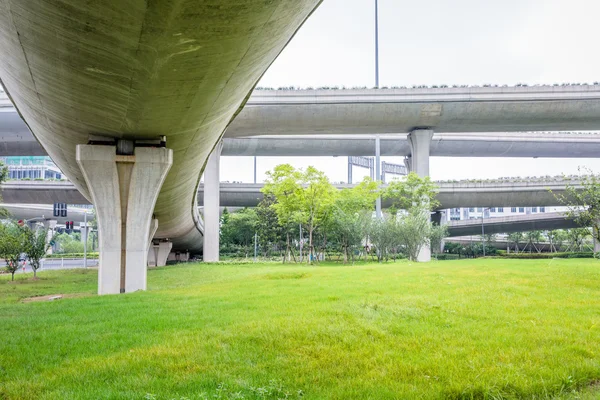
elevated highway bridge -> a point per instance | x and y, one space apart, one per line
501 193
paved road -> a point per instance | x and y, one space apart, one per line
54 263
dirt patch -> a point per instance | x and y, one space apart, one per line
53 297
289 275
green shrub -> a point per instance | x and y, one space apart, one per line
73 255
447 256
537 256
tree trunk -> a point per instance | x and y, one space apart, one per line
287 248
310 245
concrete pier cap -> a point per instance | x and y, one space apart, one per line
124 179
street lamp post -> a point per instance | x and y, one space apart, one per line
376 45
378 174
483 230
85 239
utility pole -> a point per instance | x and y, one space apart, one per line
254 169
376 45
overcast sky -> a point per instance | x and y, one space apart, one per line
438 42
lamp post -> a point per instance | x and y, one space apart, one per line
377 174
85 239
483 230
376 45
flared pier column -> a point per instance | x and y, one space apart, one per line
420 144
124 182
212 189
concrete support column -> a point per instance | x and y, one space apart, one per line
211 205
420 143
124 183
164 249
159 253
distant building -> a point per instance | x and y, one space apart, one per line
458 214
32 168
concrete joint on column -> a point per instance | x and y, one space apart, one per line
124 189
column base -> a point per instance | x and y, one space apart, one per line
424 254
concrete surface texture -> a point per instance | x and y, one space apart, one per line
141 70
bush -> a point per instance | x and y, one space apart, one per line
447 256
537 256
90 255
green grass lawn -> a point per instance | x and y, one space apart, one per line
466 329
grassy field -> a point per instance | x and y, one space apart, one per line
467 329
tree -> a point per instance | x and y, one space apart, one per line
12 244
414 231
316 200
303 197
240 229
583 202
382 235
533 237
556 238
68 244
3 177
576 238
270 232
415 195
437 234
37 245
351 210
283 184
412 191
515 238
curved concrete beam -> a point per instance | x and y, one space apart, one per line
141 70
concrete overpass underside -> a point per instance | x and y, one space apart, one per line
515 223
102 84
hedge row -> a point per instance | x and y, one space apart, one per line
586 254
72 255
447 256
